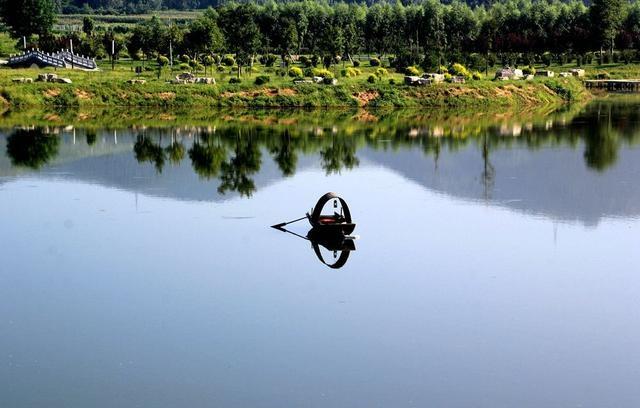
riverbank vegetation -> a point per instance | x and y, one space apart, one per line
110 88
367 48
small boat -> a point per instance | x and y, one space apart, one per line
331 232
329 224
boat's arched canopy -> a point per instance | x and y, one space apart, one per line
317 210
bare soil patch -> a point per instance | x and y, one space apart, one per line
51 92
365 97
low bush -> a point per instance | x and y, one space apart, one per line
162 60
295 72
372 79
381 72
221 68
529 70
268 60
184 67
392 81
262 79
185 58
350 72
412 71
374 62
228 60
477 75
442 69
447 77
459 70
356 63
234 80
321 72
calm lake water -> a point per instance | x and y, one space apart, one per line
497 263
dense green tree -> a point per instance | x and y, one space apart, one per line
607 17
203 34
28 17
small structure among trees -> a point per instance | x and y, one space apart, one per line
61 59
509 73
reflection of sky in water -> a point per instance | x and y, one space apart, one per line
123 287
109 300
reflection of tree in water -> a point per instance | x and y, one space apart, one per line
176 151
488 172
147 151
601 149
32 148
601 142
91 137
284 154
340 154
235 173
207 154
210 152
432 146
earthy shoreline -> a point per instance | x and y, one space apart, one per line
104 91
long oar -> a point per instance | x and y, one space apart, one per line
282 224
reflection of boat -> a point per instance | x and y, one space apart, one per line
336 243
330 232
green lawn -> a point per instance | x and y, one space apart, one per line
108 87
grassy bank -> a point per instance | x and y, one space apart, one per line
109 88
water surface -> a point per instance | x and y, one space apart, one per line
496 265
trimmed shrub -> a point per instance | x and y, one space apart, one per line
321 72
262 79
459 70
268 60
350 72
381 72
372 79
477 75
208 61
412 71
295 72
228 61
374 62
234 80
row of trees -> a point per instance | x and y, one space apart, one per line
427 29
